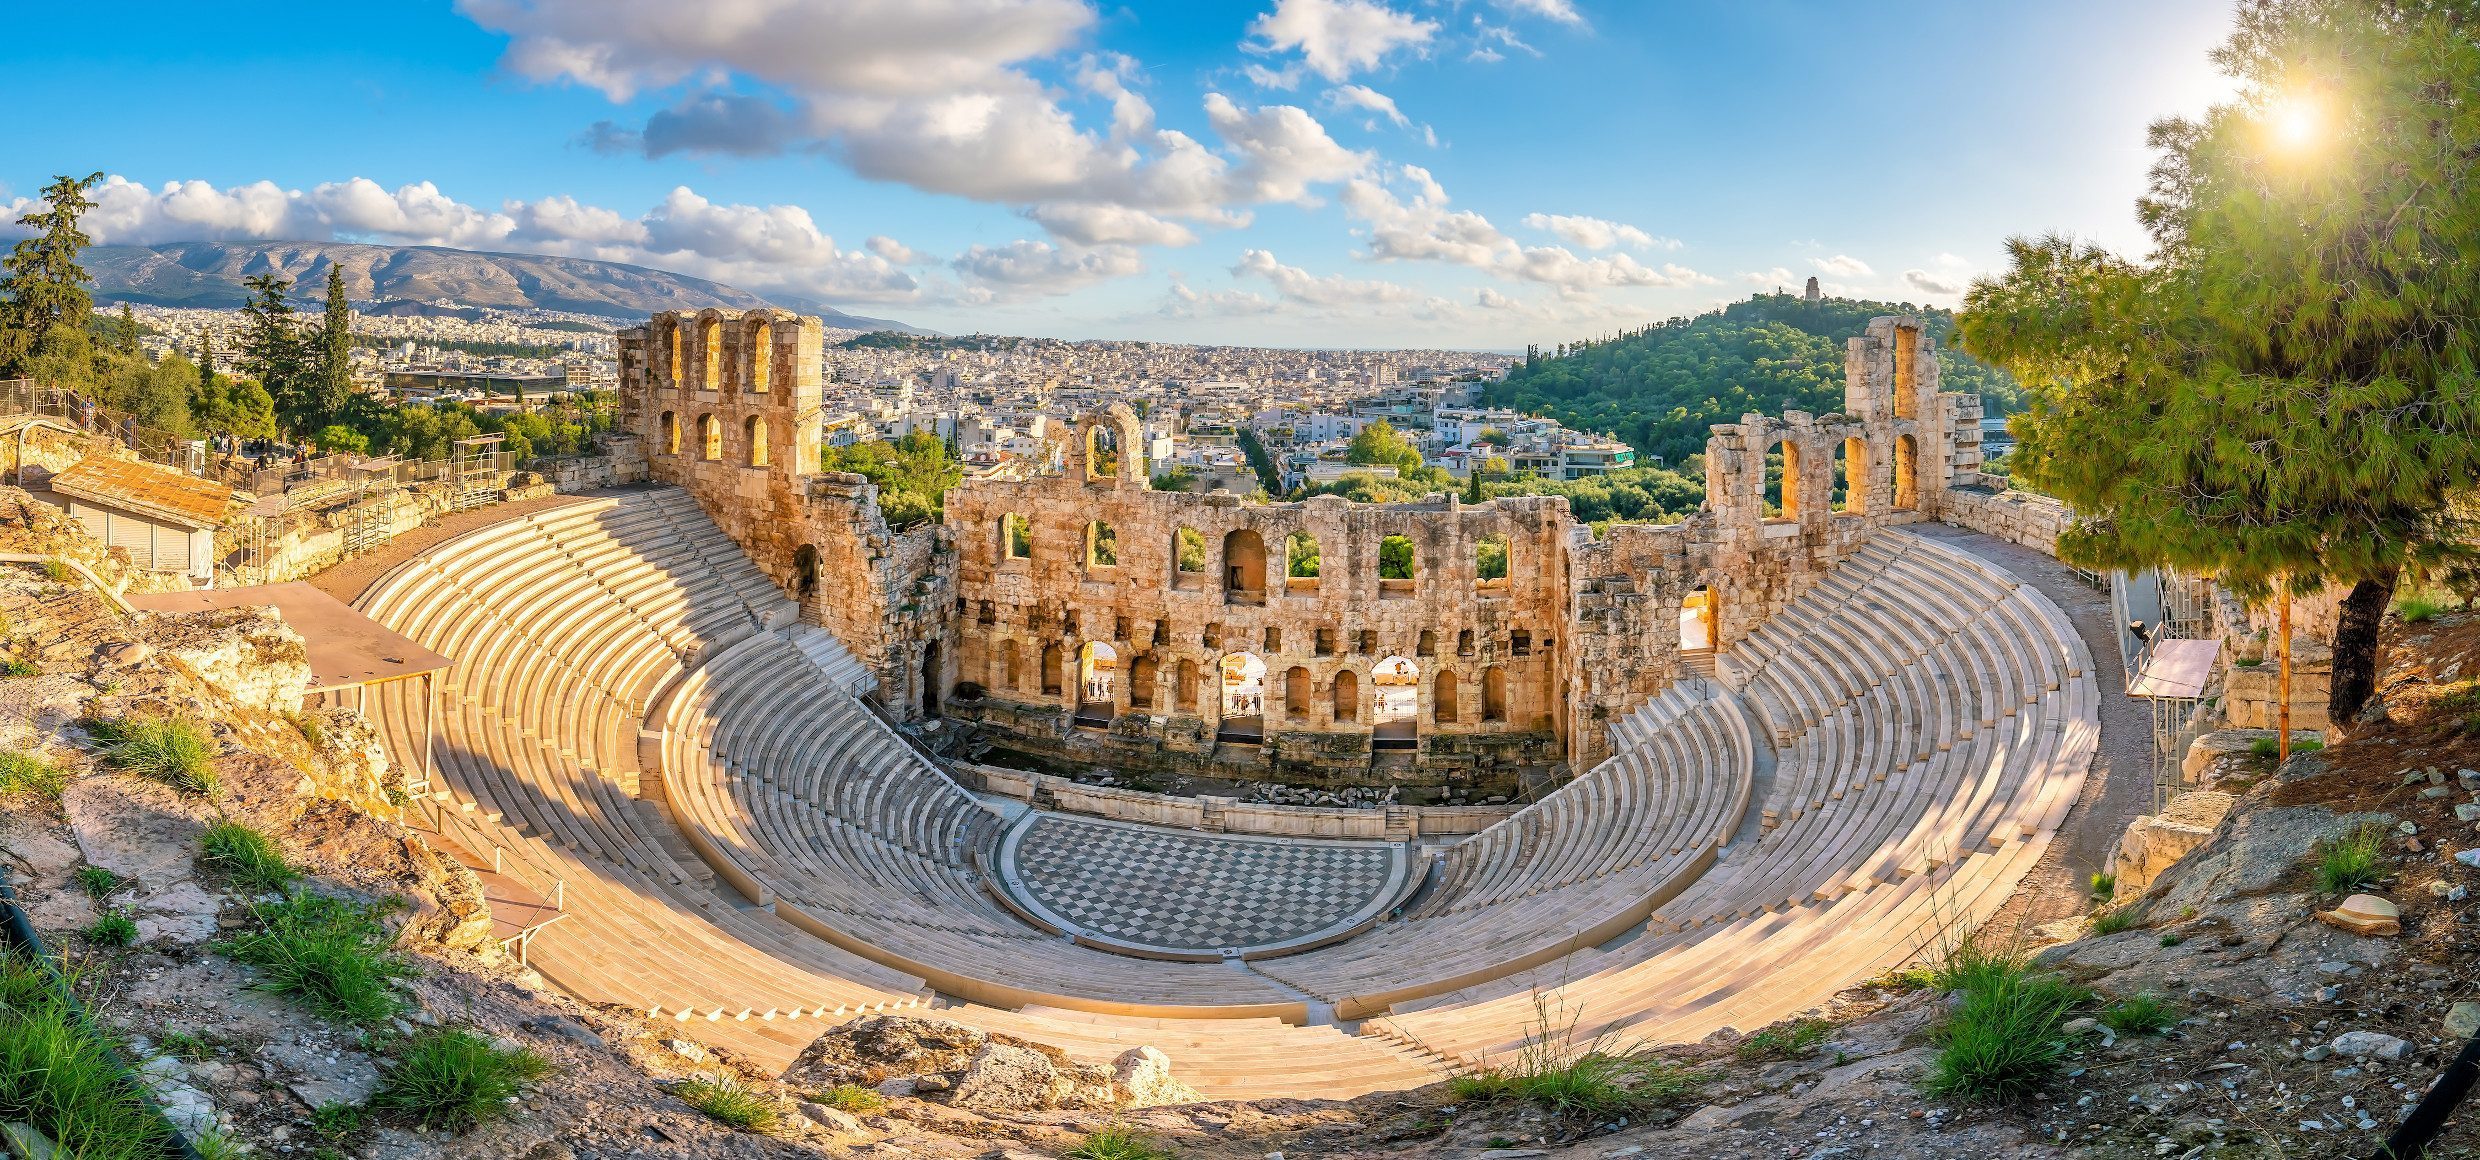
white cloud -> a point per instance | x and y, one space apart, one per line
1778 276
1184 302
1333 290
1042 268
1282 151
1337 38
1087 224
1562 11
1367 99
1597 233
897 252
1842 266
1928 283
758 248
1421 227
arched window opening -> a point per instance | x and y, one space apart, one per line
1300 562
753 432
1097 679
1906 473
1143 674
1696 622
1442 706
1395 715
1188 557
1490 564
668 428
1101 546
1906 358
673 369
805 570
1184 686
1851 476
1790 480
710 435
1015 538
761 355
710 356
1429 643
1102 452
1244 699
1051 676
1494 694
1296 692
1347 696
1244 568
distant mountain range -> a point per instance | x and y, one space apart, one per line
409 278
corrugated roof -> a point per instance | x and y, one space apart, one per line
148 490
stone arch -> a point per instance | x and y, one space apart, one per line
1395 700
1851 476
667 432
1015 537
1143 674
1490 563
1296 692
1906 370
1101 452
1442 698
1052 678
805 570
1906 473
759 337
1347 696
1699 620
754 437
710 438
1494 693
1244 567
1101 545
672 366
1398 565
1301 562
1242 682
1781 498
1184 686
709 351
1097 682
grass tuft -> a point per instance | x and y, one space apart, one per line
1788 1040
57 571
2113 919
112 930
171 750
97 882
2415 608
2004 1040
851 1097
454 1080
1119 1142
58 1075
730 1102
2104 887
2143 1013
2351 862
245 857
1592 1078
329 953
19 667
25 773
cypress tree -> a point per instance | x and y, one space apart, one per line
125 331
336 338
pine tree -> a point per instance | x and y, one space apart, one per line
2279 396
42 285
336 340
272 352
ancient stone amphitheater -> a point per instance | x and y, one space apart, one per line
1808 741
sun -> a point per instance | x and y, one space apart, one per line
2297 121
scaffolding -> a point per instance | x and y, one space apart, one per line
480 470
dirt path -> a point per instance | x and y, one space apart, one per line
2118 788
347 580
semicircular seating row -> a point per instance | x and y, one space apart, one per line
1934 721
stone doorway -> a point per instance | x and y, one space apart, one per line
1244 700
1097 681
1396 685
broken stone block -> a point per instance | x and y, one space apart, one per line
2364 914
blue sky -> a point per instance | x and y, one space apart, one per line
1478 173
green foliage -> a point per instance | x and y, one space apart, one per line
1594 1085
1659 388
1300 555
2271 747
2144 1013
1628 495
2416 608
332 373
97 882
59 1076
728 1101
25 773
58 571
1379 444
1178 478
185 1046
336 1122
215 1145
1254 450
1119 1142
337 437
1101 545
1788 1040
1019 536
454 1080
2104 886
1369 487
331 954
19 668
851 1097
1192 550
1490 559
2351 862
2004 1040
280 355
2113 919
172 750
1395 558
114 929
913 474
245 857
44 303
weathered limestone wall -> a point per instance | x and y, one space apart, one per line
1230 816
2018 517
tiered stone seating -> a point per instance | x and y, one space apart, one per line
1935 720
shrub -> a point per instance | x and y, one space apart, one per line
1119 1142
335 1122
26 773
2416 608
2352 861
58 1075
184 1045
97 882
2004 1039
2104 887
2271 747
2113 919
57 571
454 1080
19 667
329 953
2173 939
851 1097
728 1101
2144 1013
1785 1040
244 857
168 749
1594 1085
112 930
215 1145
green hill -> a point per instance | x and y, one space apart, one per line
1659 388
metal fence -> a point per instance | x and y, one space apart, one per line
71 409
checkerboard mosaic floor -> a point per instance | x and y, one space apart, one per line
1195 892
